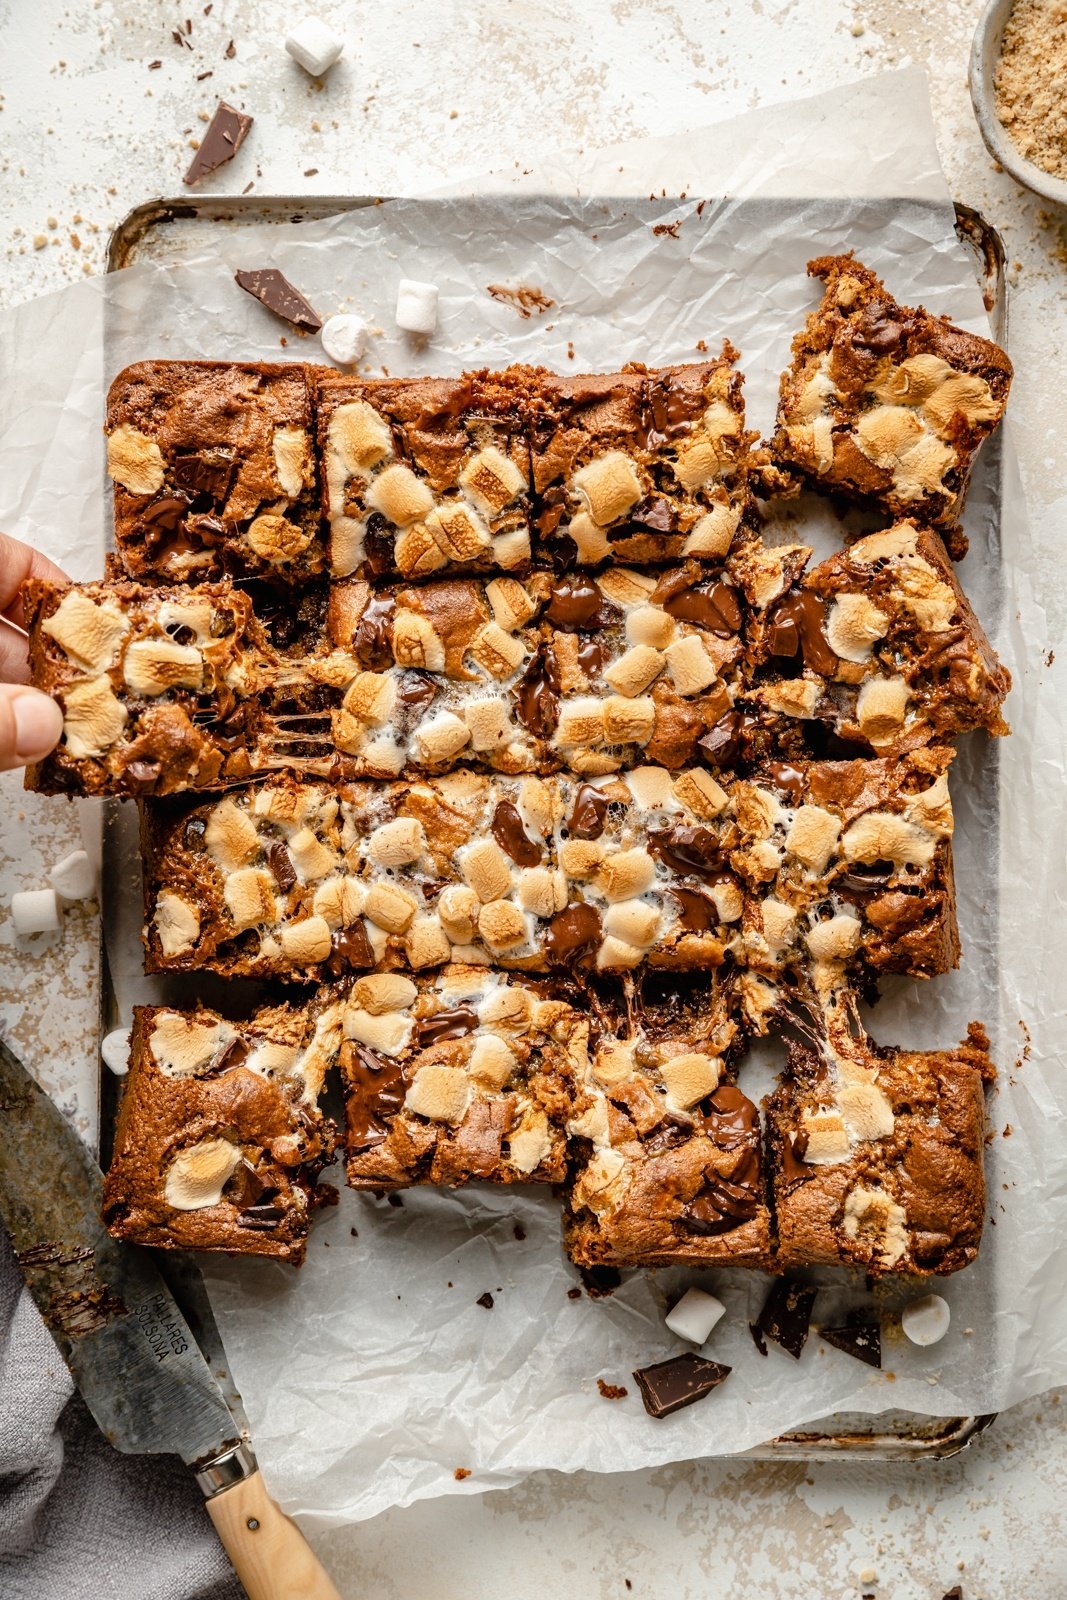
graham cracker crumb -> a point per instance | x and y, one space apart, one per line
1029 82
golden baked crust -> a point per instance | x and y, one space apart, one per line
886 403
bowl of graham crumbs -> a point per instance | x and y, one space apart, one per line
1018 79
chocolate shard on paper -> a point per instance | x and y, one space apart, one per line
680 1381
785 1318
273 290
226 133
862 1339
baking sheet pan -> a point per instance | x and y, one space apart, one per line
167 231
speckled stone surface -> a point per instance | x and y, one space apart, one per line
426 93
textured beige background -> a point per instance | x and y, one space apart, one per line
430 89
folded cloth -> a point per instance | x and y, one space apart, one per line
79 1520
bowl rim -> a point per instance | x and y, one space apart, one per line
985 53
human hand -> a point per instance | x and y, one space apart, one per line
30 722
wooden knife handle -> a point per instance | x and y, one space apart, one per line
269 1553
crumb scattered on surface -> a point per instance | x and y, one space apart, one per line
461 1473
485 1300
524 298
1029 83
611 1391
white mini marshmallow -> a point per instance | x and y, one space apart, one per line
115 1049
416 306
73 877
926 1321
344 338
36 911
314 46
695 1315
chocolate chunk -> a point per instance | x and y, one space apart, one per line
709 605
204 472
669 1385
654 512
485 1300
351 948
263 1218
788 779
665 412
794 1169
573 933
591 657
226 133
377 1087
378 542
512 837
687 847
732 1119
453 1024
537 695
862 1339
234 1055
163 516
578 605
697 912
797 624
588 814
721 1205
554 503
281 865
723 745
142 776
372 637
416 691
785 1318
273 290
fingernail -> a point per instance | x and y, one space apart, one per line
38 725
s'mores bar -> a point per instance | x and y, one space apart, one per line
649 464
592 673
875 650
215 471
157 686
304 879
877 1153
885 403
667 1166
847 862
425 476
220 1139
470 1074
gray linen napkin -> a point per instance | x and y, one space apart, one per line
78 1520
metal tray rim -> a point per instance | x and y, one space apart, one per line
949 1435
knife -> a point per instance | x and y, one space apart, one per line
129 1348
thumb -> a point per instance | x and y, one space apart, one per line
30 725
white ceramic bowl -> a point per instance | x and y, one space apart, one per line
985 53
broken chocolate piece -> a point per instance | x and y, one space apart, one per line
226 133
785 1318
273 290
485 1300
859 1338
669 1385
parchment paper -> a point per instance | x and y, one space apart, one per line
371 1375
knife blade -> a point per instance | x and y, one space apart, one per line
130 1350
